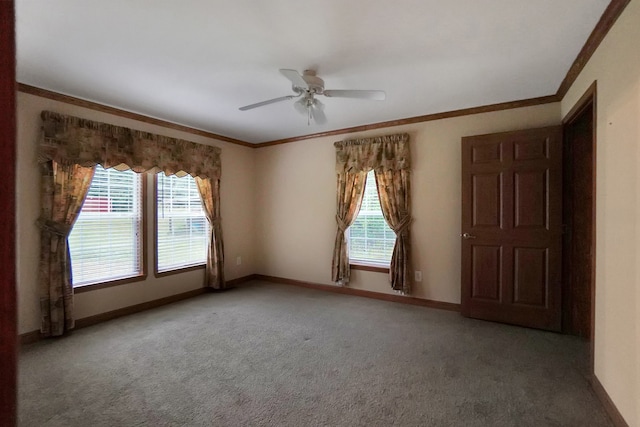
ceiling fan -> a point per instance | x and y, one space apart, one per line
306 87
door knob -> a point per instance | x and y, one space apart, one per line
467 236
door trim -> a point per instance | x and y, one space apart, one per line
589 100
8 309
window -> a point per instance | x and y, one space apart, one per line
106 240
182 232
371 240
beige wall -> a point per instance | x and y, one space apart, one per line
616 67
296 184
237 194
278 207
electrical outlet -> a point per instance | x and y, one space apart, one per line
418 276
239 260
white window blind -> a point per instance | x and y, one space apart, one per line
183 229
371 240
106 240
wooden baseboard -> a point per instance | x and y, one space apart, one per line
33 336
615 415
362 293
240 280
29 337
114 314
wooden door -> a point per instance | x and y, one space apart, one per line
578 210
8 332
511 227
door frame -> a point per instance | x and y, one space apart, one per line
8 309
589 100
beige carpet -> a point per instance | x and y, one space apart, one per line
276 355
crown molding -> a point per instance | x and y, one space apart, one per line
45 93
608 18
606 22
426 118
67 99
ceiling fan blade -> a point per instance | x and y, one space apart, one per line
376 95
317 114
295 78
270 101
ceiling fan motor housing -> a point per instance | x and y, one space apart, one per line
316 84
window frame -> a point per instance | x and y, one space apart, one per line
143 235
363 264
173 271
359 265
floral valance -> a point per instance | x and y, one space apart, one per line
72 140
389 152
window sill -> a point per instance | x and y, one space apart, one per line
101 285
179 270
368 267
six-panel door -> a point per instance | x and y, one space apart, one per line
511 227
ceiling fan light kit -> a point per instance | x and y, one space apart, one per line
306 87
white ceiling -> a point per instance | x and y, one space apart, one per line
194 62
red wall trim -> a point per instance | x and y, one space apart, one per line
8 309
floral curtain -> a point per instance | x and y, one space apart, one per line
389 152
210 194
349 198
390 157
394 189
68 152
64 188
72 140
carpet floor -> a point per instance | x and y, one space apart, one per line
277 355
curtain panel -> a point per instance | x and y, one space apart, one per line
64 188
390 157
210 195
394 188
349 198
68 152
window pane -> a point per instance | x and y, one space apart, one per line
370 238
357 230
183 230
375 227
106 240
